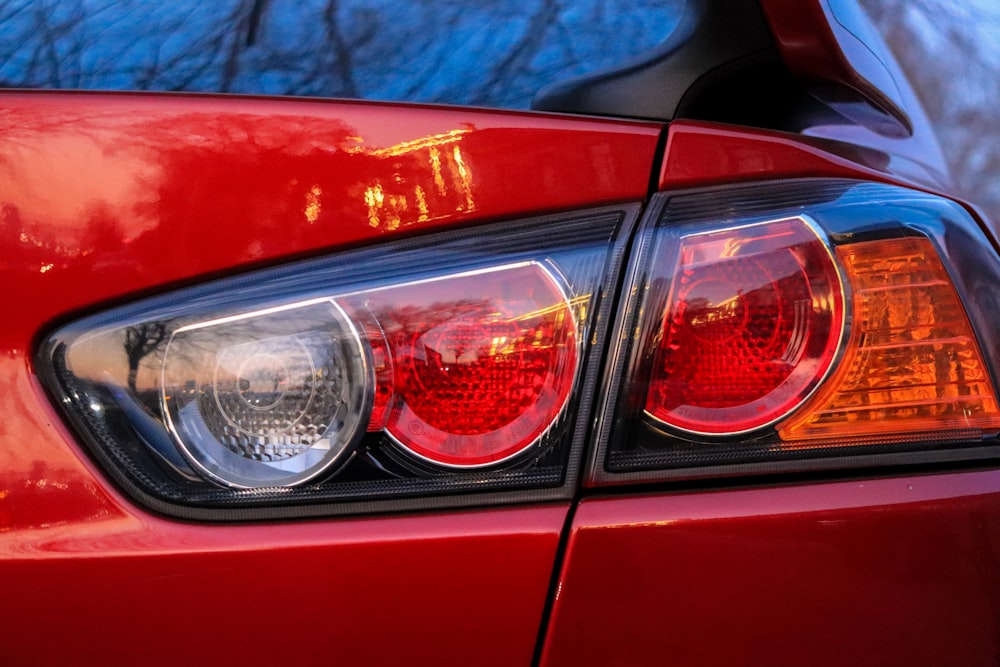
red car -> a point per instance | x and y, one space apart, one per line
700 369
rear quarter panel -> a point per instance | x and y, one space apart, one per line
106 197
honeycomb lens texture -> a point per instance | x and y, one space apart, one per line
751 338
752 323
473 372
483 363
268 399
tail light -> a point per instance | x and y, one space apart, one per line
791 326
797 327
752 322
478 383
439 370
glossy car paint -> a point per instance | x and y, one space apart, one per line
134 192
699 154
133 589
828 42
833 42
109 196
896 571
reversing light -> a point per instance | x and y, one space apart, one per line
272 398
752 323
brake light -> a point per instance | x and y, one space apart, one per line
753 321
479 381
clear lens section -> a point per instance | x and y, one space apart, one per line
436 369
267 399
800 325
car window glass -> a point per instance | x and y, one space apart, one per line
479 52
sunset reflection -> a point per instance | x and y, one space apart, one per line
389 206
313 205
167 182
103 196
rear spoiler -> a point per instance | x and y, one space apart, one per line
775 64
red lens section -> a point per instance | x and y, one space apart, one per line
752 323
483 363
472 373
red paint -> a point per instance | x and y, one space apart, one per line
831 46
106 196
888 571
455 589
699 153
817 47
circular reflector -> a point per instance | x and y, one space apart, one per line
273 398
752 323
483 366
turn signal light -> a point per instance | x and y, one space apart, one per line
912 363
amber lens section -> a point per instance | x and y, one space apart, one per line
912 364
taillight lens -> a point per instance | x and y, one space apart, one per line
477 381
912 365
798 326
269 398
435 370
752 323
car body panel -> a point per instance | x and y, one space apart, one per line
141 191
876 571
108 196
700 153
136 589
833 47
